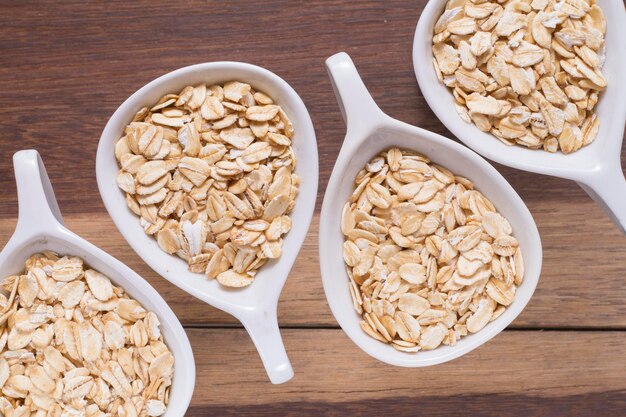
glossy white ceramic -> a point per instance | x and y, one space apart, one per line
596 167
370 131
40 227
255 306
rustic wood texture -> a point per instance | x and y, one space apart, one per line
542 369
67 65
566 298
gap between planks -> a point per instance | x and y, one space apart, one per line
337 327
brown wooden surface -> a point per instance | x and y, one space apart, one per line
67 65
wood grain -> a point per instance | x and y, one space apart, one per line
584 292
517 365
67 65
487 405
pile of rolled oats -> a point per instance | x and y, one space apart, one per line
428 256
527 71
210 173
73 344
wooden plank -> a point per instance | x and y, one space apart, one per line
581 285
488 405
518 373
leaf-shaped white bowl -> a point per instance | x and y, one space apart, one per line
255 306
595 167
369 132
40 227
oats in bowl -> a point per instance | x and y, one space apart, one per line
72 343
429 257
528 72
209 171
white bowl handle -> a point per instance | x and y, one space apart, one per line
607 187
358 108
264 332
38 208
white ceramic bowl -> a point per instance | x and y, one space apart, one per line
40 227
370 131
255 306
596 167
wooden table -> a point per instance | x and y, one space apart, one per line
67 65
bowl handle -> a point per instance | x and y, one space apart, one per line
38 208
262 326
357 106
607 187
